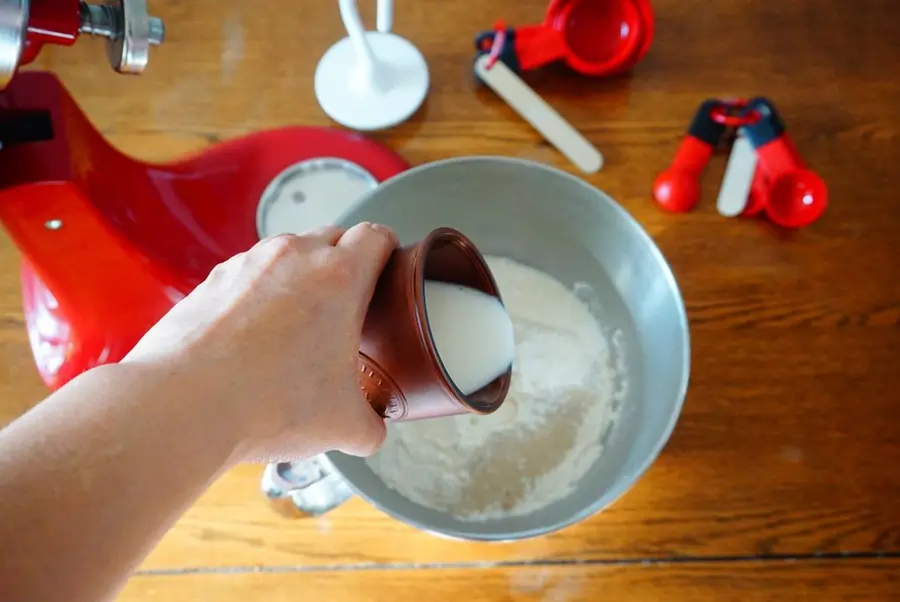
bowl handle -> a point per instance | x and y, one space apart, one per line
304 488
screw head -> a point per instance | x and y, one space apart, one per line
156 33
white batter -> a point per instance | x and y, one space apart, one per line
545 437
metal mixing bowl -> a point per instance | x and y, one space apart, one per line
554 222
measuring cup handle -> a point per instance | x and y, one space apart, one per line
678 187
700 141
759 193
538 45
776 151
484 44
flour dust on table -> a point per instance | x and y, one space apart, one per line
567 386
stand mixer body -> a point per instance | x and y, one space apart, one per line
110 243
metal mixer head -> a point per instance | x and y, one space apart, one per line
26 25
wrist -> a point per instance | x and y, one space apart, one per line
194 411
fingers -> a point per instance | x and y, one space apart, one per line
292 246
327 234
365 238
323 236
371 246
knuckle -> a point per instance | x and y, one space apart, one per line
218 273
224 272
283 245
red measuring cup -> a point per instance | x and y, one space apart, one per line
593 37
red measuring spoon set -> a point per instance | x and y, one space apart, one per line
593 37
765 173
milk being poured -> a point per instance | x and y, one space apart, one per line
472 334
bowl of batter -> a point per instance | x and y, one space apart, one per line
601 360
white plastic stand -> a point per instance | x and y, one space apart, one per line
371 80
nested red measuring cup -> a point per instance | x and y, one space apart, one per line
593 37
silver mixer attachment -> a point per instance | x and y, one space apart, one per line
128 29
27 25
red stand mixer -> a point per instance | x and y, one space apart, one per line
110 243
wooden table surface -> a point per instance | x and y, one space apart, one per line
782 479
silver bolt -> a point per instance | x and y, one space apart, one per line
53 224
106 20
129 30
157 32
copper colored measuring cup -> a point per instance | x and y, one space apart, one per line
400 372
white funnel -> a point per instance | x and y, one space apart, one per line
371 80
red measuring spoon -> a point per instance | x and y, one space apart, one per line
594 37
677 189
756 201
791 194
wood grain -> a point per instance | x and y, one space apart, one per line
789 440
804 464
773 581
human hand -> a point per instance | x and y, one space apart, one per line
268 344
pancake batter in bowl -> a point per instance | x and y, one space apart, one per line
567 385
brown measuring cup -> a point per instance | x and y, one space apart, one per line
400 371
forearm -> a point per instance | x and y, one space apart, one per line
92 478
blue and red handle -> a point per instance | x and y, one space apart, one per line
791 194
